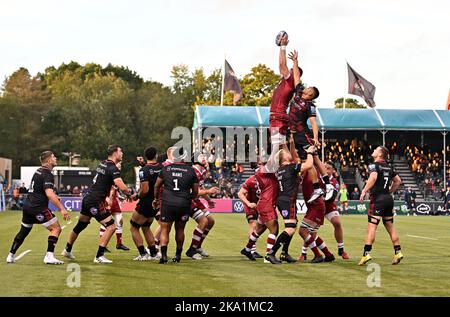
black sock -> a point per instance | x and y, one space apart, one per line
178 253
15 246
326 179
316 185
340 251
286 244
397 249
52 240
142 250
367 249
101 251
282 238
153 250
163 250
69 247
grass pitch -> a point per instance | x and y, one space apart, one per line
423 272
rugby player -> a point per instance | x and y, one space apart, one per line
36 211
180 187
94 203
382 183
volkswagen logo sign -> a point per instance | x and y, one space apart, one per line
423 209
238 206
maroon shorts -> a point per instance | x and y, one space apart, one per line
330 207
250 213
115 207
316 211
266 212
278 123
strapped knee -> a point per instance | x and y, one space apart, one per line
310 228
388 220
110 222
373 220
135 224
80 226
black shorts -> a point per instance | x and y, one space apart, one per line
171 213
301 140
287 208
44 217
92 208
146 210
382 206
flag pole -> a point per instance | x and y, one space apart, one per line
346 88
223 82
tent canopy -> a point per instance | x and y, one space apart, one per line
328 118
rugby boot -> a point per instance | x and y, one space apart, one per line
365 258
284 256
270 258
397 258
248 254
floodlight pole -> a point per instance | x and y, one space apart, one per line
383 132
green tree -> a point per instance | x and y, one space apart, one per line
349 103
258 86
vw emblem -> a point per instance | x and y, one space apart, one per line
239 206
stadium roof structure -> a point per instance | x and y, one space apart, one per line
328 118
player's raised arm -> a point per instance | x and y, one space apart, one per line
296 70
282 61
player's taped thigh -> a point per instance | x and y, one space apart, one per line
372 219
291 224
80 226
147 224
135 224
206 213
311 228
109 223
197 214
386 220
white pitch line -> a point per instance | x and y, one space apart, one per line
21 255
69 222
76 217
409 235
63 227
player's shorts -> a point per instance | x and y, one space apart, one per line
45 217
316 211
93 208
171 213
287 209
146 209
382 206
301 140
278 126
115 207
250 213
266 213
343 202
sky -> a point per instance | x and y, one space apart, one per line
400 46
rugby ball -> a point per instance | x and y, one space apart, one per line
280 35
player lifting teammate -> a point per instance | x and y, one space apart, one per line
382 183
332 214
199 212
36 211
180 187
288 179
144 214
249 195
94 203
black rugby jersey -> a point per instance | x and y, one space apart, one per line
288 180
37 199
149 173
107 172
385 174
178 179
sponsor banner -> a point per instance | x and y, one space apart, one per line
237 206
73 203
